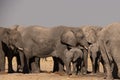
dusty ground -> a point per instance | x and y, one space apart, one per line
47 66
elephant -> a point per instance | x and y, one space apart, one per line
44 42
108 40
9 40
95 56
91 33
34 63
74 55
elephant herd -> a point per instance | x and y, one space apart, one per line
65 45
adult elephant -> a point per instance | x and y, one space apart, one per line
109 42
34 63
9 39
91 35
44 42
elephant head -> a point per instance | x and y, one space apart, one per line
74 38
15 39
10 39
91 33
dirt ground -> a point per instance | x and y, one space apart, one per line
47 67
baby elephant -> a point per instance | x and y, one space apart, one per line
74 55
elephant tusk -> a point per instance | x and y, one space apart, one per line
85 47
20 48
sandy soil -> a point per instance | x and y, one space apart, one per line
47 66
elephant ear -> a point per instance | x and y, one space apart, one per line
68 38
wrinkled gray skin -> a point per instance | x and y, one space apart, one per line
48 42
74 55
95 55
109 41
73 38
91 33
9 39
91 36
34 62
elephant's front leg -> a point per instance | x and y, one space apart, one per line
97 65
93 66
106 61
75 68
60 65
10 68
2 61
85 61
22 60
93 63
68 68
55 65
35 65
18 63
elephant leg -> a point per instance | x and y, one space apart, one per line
23 61
27 66
35 65
18 63
75 68
58 65
68 68
116 70
106 61
93 63
103 64
85 61
10 68
2 61
37 60
97 65
61 66
81 66
55 66
93 67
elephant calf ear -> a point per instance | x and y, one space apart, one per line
68 38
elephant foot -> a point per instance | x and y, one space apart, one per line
11 71
79 73
92 73
20 70
36 71
69 73
84 71
74 74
